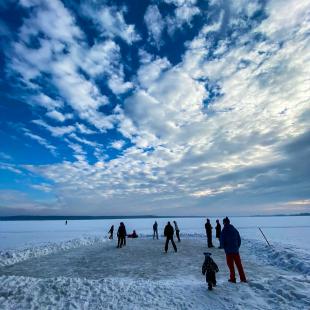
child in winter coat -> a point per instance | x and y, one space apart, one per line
209 268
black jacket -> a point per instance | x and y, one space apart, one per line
218 229
208 228
169 231
209 265
121 231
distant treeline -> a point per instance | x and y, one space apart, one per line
63 218
82 217
296 214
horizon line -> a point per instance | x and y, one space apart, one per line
94 217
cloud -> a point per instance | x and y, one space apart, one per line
214 192
105 59
183 14
226 127
84 130
44 187
54 130
17 203
58 116
45 101
304 202
79 153
83 141
155 23
10 167
110 20
118 86
62 53
41 141
149 72
172 100
285 18
5 156
118 144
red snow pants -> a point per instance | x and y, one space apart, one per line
231 259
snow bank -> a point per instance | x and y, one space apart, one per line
283 256
9 257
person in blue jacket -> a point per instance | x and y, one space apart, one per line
231 241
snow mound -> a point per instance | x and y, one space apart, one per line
10 257
282 256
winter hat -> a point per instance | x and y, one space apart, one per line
226 220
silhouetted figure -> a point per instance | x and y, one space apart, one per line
231 241
177 231
155 230
218 230
209 268
66 222
111 231
208 228
168 233
121 234
133 235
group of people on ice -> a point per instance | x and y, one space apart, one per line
121 235
229 240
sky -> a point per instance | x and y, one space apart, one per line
163 107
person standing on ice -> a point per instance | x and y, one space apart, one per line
111 232
177 230
231 241
168 233
208 228
121 234
209 269
218 230
155 230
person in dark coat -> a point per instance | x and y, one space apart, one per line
177 230
111 232
155 230
231 241
218 230
121 234
208 228
168 233
209 268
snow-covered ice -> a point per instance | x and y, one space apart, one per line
47 265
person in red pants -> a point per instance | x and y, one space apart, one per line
231 241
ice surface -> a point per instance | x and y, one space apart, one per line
47 265
140 259
294 230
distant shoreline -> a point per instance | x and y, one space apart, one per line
74 218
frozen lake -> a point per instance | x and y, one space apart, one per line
288 230
142 276
50 265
